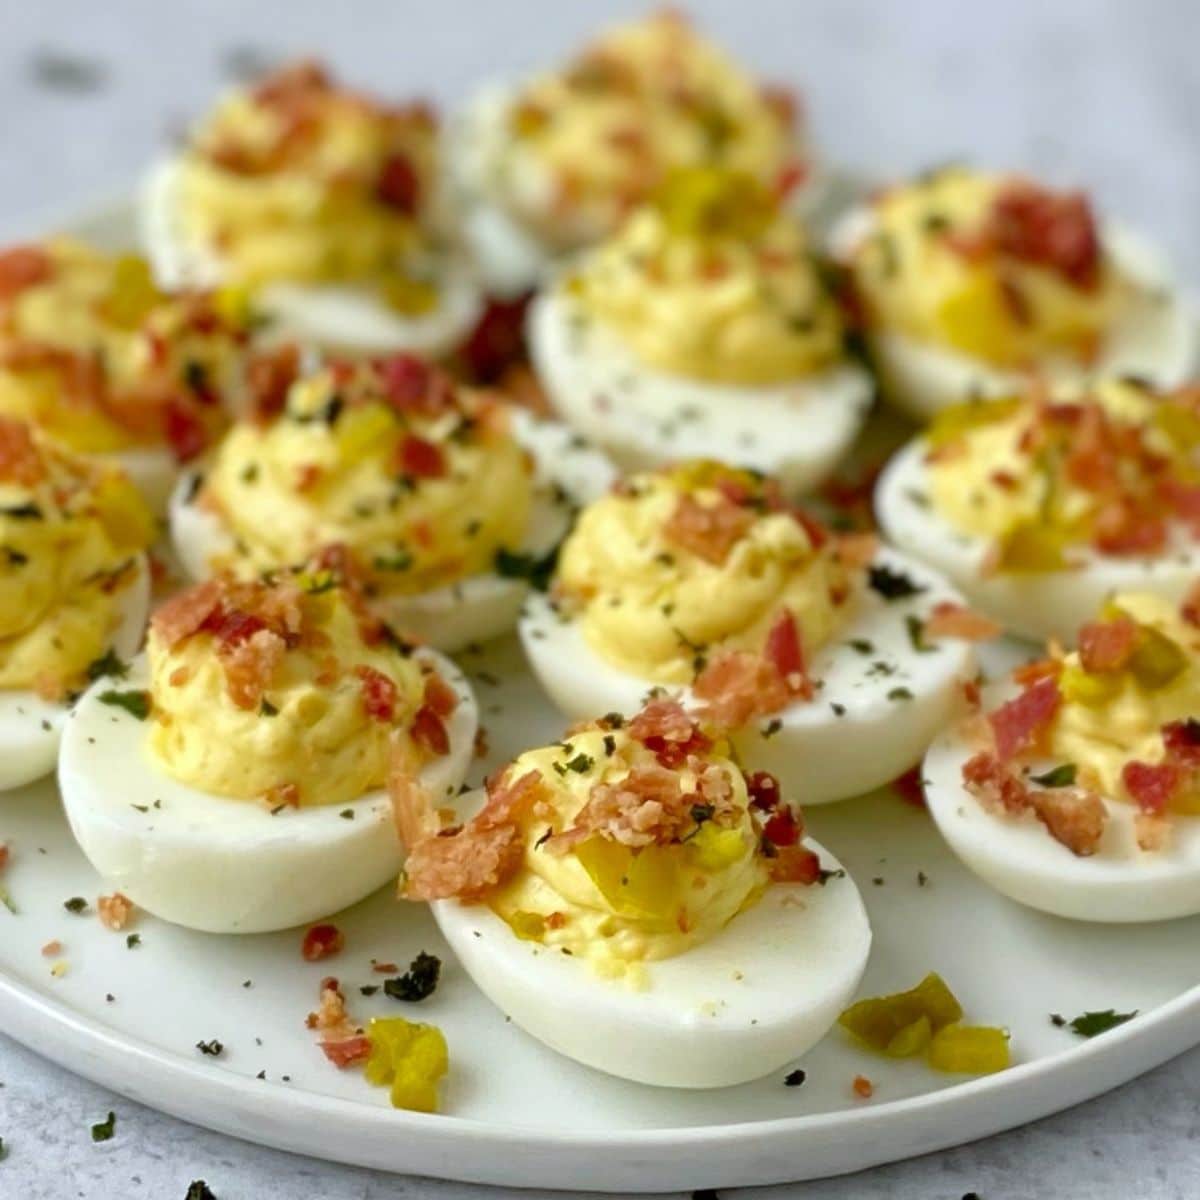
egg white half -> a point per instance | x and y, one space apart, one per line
31 728
755 996
1157 337
644 417
338 318
567 473
229 866
818 755
1018 857
1034 605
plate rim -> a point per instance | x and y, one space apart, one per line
768 1151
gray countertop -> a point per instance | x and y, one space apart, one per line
1104 93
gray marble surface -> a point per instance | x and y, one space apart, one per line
1099 92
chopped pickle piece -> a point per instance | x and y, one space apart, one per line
1179 422
528 926
912 1039
132 294
409 297
951 423
969 1049
977 318
641 885
1156 660
1084 687
880 1020
710 202
714 849
1030 547
409 1058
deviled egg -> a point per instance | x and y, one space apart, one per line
441 502
327 203
703 322
966 281
98 356
74 590
1078 788
632 899
1038 506
700 581
556 163
234 782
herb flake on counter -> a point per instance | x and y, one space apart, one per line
135 702
417 983
794 1078
1089 1024
103 1130
198 1189
133 941
891 585
1061 776
212 1048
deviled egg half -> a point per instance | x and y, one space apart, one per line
235 781
93 352
966 281
632 899
1038 506
441 503
556 163
700 581
703 322
74 590
1077 789
327 203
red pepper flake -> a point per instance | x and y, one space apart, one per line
763 790
320 942
781 827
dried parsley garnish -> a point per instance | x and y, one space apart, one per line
212 1048
198 1189
537 570
417 983
107 664
794 1078
76 905
103 1130
135 702
1089 1024
891 585
1061 776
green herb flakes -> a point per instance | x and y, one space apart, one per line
102 1131
135 702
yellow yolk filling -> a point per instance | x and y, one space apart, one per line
591 140
1108 719
311 212
142 342
305 481
983 482
67 546
713 282
312 731
611 905
651 607
916 283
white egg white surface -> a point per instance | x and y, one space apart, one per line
339 318
1018 857
229 866
644 417
818 755
1157 337
759 993
1035 605
568 473
30 727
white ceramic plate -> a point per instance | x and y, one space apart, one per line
515 1113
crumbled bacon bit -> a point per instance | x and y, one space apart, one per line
1181 739
1041 668
784 649
857 549
1074 816
308 475
52 949
320 942
348 1052
709 531
282 795
20 461
399 185
114 910
1018 724
665 729
269 376
440 697
420 458
955 620
781 828
738 686
186 612
1190 608
250 665
185 432
763 790
910 787
498 340
1107 645
1056 230
472 860
794 864
429 732
863 1087
379 693
1151 785
22 267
